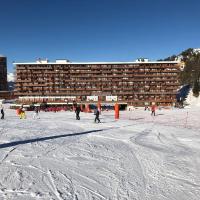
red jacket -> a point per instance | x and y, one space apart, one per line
153 108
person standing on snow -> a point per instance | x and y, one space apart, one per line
146 108
36 113
77 111
2 112
96 113
153 110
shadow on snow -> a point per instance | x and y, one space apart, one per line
15 143
19 142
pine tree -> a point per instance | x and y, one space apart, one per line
191 71
192 68
196 88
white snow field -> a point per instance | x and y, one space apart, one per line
193 101
137 157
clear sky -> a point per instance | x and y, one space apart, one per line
97 30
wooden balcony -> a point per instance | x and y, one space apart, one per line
23 81
115 79
88 89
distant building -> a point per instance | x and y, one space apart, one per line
3 73
129 83
4 93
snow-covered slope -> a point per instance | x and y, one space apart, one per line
192 100
138 157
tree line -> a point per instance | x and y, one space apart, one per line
191 72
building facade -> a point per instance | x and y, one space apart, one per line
130 83
4 93
3 73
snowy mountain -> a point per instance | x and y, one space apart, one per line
184 55
196 50
10 77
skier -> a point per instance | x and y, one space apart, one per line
153 110
96 113
22 114
77 111
36 113
2 112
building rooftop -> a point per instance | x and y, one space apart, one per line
90 63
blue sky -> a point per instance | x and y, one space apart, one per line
97 30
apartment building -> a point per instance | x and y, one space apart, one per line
130 83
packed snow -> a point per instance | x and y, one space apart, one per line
192 100
138 157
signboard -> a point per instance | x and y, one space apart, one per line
69 98
92 98
111 98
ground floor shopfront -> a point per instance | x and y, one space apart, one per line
90 102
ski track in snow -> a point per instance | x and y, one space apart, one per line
138 157
7 154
